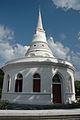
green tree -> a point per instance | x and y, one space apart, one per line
77 88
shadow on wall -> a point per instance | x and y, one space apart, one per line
1 81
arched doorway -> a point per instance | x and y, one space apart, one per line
56 88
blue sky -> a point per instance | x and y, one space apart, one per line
61 21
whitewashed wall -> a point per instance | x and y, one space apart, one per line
46 72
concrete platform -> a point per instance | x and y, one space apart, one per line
71 114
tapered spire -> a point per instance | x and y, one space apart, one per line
39 46
40 33
39 24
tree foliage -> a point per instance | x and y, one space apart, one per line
77 87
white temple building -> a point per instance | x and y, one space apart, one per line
39 77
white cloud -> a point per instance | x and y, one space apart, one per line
79 36
58 49
67 4
7 51
5 34
75 58
63 36
65 53
19 50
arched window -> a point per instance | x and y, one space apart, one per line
8 83
18 83
36 82
57 78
